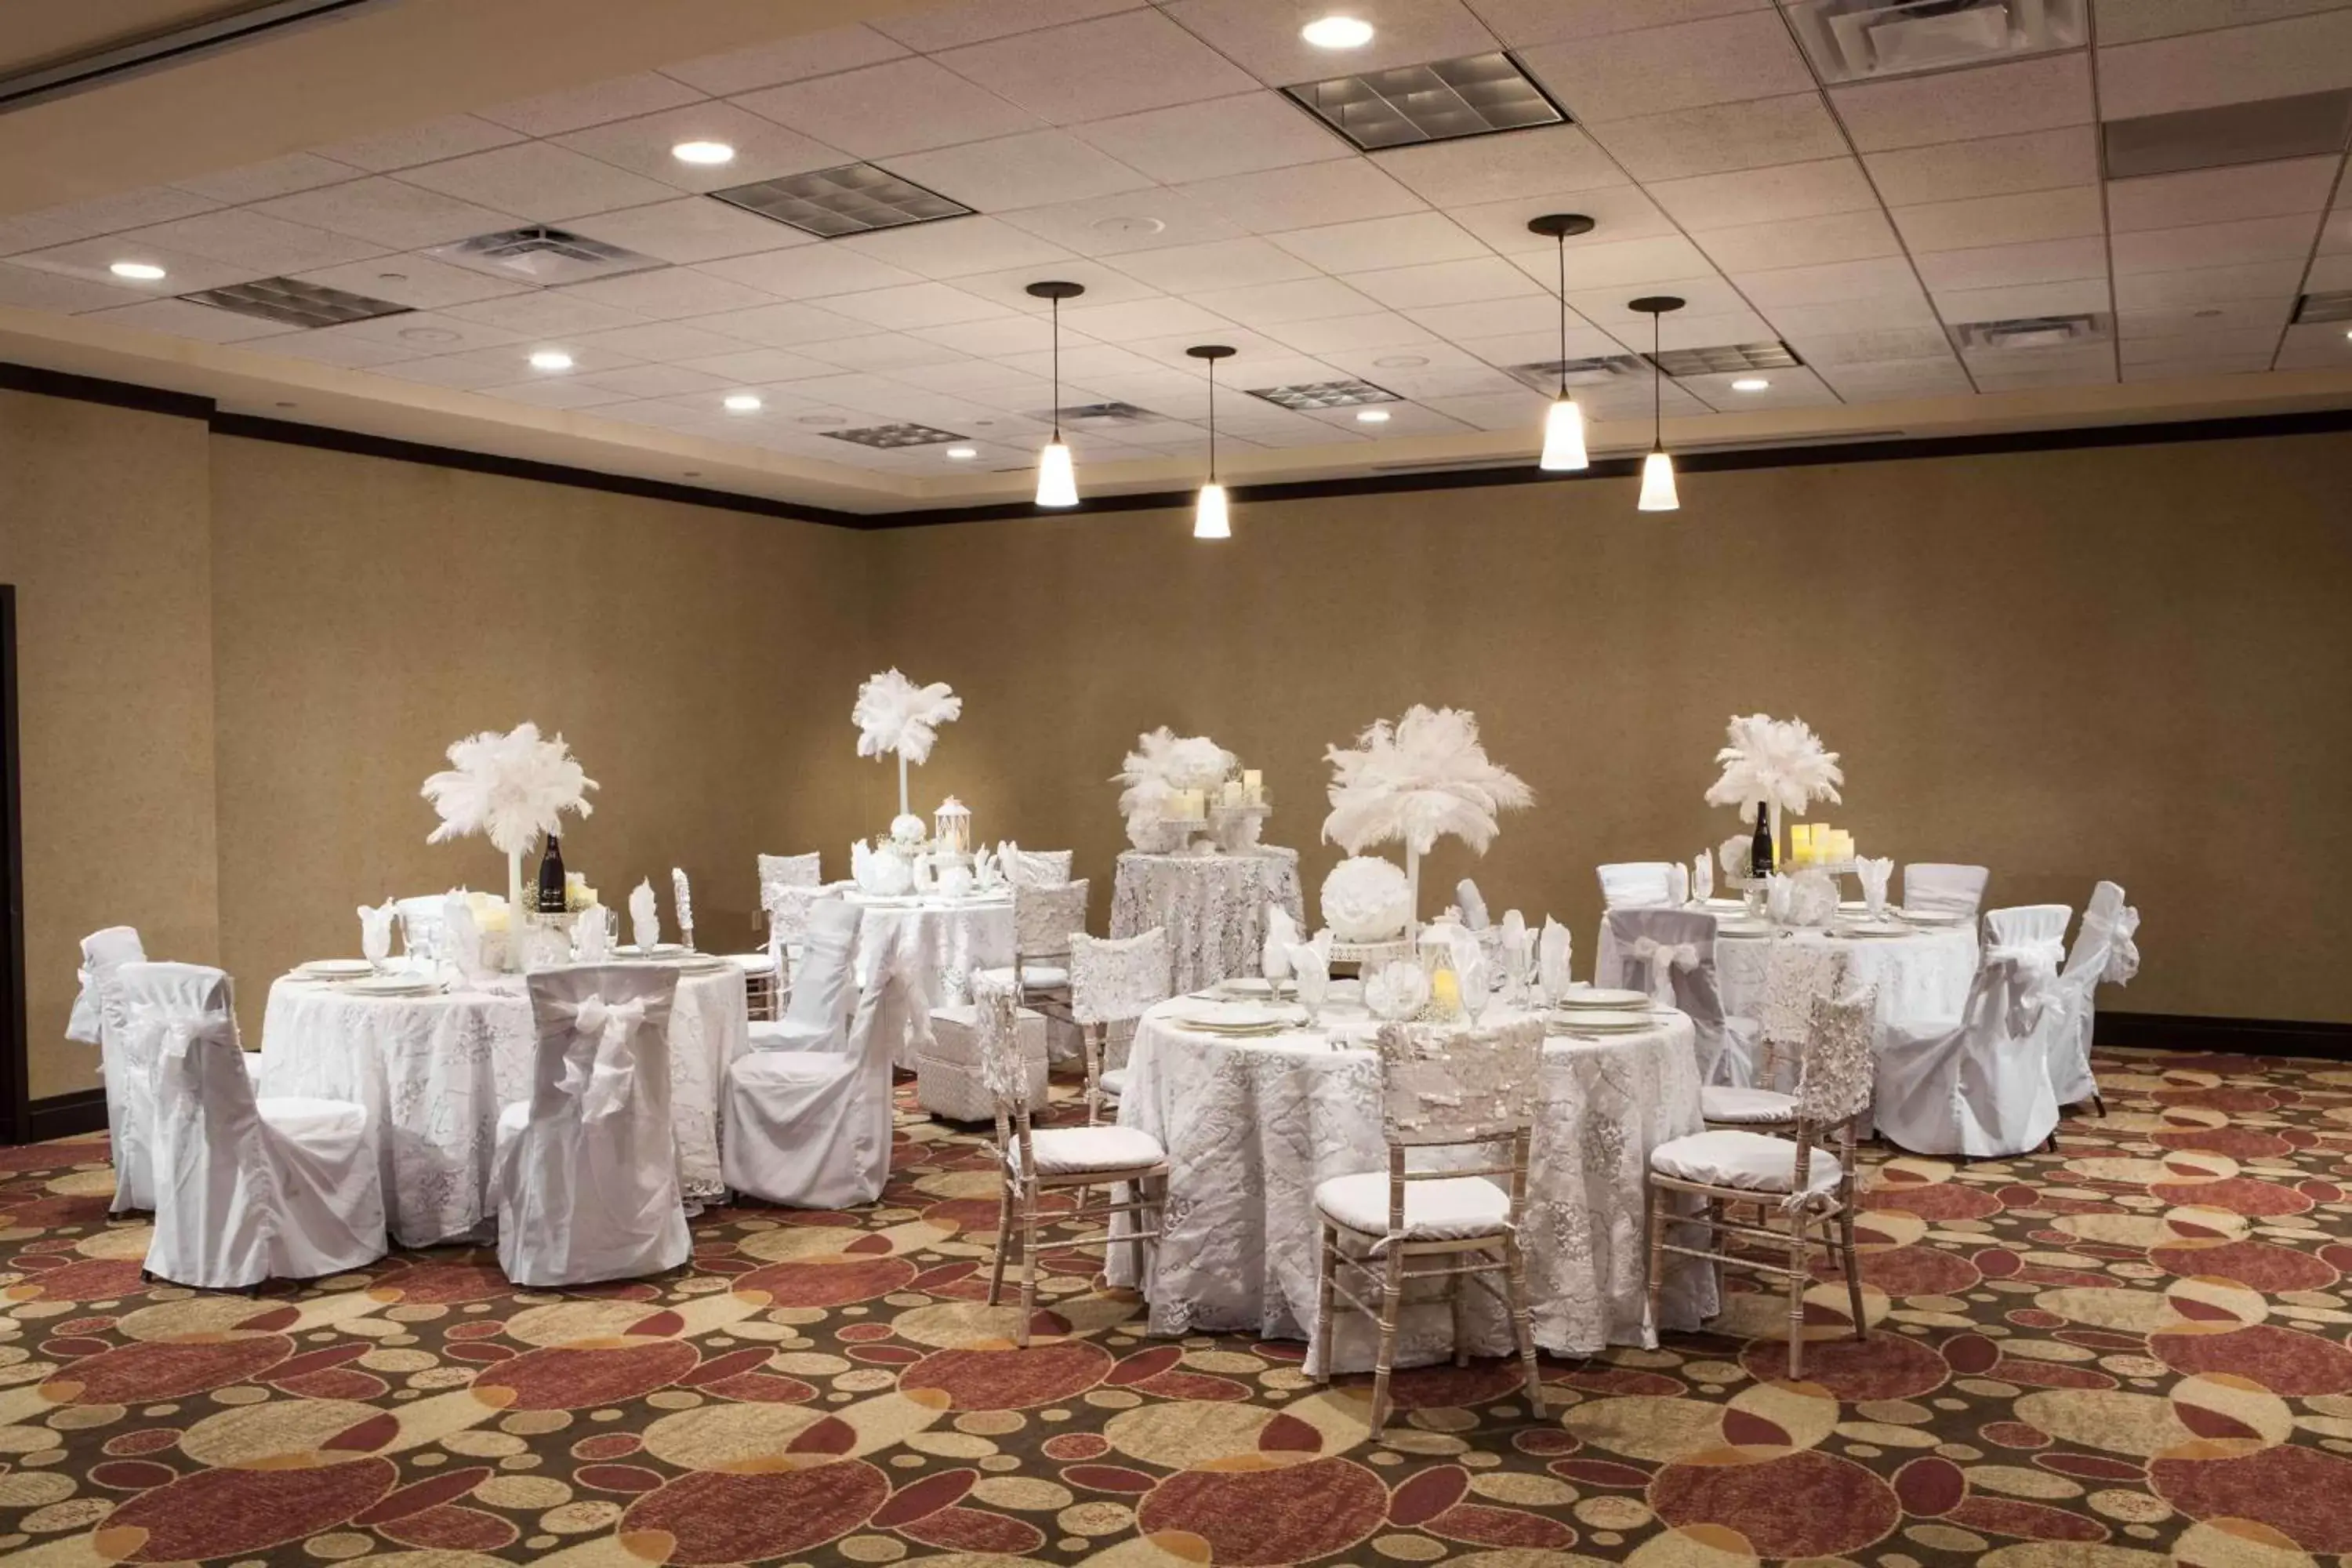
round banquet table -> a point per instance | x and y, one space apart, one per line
1214 906
952 937
1923 978
1252 1125
433 1072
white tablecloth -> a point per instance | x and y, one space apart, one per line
953 937
1922 978
1252 1125
1212 905
436 1070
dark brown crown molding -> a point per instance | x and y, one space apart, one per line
93 389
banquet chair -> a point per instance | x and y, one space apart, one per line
1949 890
1035 867
1032 1163
1114 982
788 871
1812 1174
823 988
1670 954
1981 1089
247 1189
812 1129
2105 952
1627 885
1441 1088
787 907
97 1020
1796 975
584 1177
1045 917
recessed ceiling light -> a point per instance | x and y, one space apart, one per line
962 454
551 359
144 271
741 402
1373 416
1750 383
1337 32
703 153
1128 223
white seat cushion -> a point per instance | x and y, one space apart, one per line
1065 1150
1112 1083
1034 976
1721 1103
1454 1208
1749 1162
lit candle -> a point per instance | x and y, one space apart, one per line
1445 993
1800 843
1232 792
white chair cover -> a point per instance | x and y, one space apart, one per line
824 992
1044 917
1627 885
97 1020
1116 982
2105 952
247 1189
1670 954
812 1129
585 1176
1035 868
1959 890
779 871
1982 1089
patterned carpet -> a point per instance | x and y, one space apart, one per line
2129 1352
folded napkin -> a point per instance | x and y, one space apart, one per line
1678 885
645 921
1777 888
1396 991
1310 969
1554 952
592 935
1514 949
987 876
375 931
463 936
1281 936
682 897
1874 872
1702 882
1473 904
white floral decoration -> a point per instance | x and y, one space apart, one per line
1366 899
1163 762
897 717
510 788
1424 776
1780 761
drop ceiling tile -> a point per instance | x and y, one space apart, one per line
1345 335
1253 350
1461 323
2072 296
653 381
1886 312
387 212
949 26
2336 234
452 136
761 367
1520 22
428 332
1495 410
2086 371
2221 195
2199 369
1444 283
538 180
553 113
186 318
463 372
568 393
246 240
1515 165
417 282
2216 244
1986 166
763 148
2001 266
33 288
52 227
1710 302
545 311
1263 37
810 271
662 342
1685 65
1957 106
992 384
1829 283
1823 351
1802 242
997 336
1223 264
1409 419
1792 129
1268 305
2134 21
1612 264
1306 197
1039 169
328 346
1619 213
2207 286
891 352
689 229
89 259
668 293
1130 61
883 111
2250 341
786 59
1222 136
2328 274
2233 65
1766 195
1136 320
1540 347
1795 387
915 305
2319 345
1408 241
2189 321
2073 213
955 248
1080 360
1150 219
276 177
1902 379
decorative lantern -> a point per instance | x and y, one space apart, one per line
951 827
1437 951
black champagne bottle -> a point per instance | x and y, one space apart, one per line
1759 848
551 878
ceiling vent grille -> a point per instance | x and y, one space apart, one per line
891 438
1315 394
545 255
2330 307
855 198
1473 96
2307 125
1545 375
295 304
1726 359
1098 416
1856 40
2033 333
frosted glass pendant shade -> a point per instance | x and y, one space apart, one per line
1564 447
1057 476
1209 519
1658 484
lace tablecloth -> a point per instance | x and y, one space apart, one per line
1252 1125
433 1072
1212 905
1922 979
952 937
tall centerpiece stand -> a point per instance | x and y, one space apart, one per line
510 788
897 718
1778 766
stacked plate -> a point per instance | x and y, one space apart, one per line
1231 1020
1598 998
1743 925
398 985
1601 1021
1244 985
1931 917
334 969
1870 928
661 950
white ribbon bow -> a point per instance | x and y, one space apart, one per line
600 1081
180 1028
1664 958
2123 953
2034 966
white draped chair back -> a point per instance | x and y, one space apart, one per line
1044 917
586 1174
1035 868
1952 889
1112 984
97 1020
788 871
1982 1089
1627 885
247 1189
823 983
1670 954
2105 952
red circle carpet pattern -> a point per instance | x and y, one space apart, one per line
2129 1352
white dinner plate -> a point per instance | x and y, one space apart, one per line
1603 1022
1244 985
704 962
335 969
1874 929
391 986
1743 928
661 950
1228 1019
1931 917
1594 996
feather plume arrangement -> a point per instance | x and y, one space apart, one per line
510 788
1779 760
895 717
1163 762
1413 781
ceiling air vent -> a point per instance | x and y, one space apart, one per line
1473 96
1857 40
542 255
1324 395
2033 333
1098 416
1725 359
2332 307
2307 125
293 304
890 437
855 198
1545 375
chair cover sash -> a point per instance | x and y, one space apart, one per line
1663 958
598 1067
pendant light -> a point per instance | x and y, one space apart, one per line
1209 517
1564 447
1057 476
1657 469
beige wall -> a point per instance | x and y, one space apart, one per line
2130 663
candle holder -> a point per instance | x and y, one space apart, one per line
1238 827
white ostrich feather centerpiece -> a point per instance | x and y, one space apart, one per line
510 788
1162 764
1778 761
897 717
1417 780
